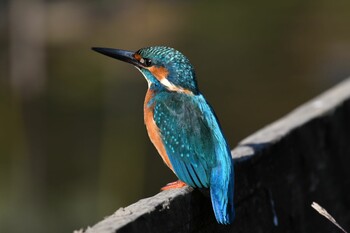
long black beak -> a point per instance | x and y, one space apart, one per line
119 54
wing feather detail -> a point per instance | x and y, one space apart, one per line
187 127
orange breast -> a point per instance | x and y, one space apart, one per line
153 130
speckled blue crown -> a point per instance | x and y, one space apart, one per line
181 71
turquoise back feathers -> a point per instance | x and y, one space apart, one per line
196 147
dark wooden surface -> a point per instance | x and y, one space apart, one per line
280 171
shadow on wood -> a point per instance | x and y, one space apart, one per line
280 171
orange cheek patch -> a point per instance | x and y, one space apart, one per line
159 72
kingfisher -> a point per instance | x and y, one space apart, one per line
183 126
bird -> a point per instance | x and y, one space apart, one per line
183 126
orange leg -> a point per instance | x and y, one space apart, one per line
174 185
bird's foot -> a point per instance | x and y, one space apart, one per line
174 185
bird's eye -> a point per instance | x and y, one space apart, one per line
146 61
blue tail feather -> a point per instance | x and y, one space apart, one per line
222 192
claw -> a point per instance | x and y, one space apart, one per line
174 185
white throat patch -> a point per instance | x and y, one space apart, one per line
148 82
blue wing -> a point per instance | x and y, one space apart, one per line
187 137
191 136
196 147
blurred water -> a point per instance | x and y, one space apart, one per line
73 147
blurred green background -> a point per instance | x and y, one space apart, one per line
73 147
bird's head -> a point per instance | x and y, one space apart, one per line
163 67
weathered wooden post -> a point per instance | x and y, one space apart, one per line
280 171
